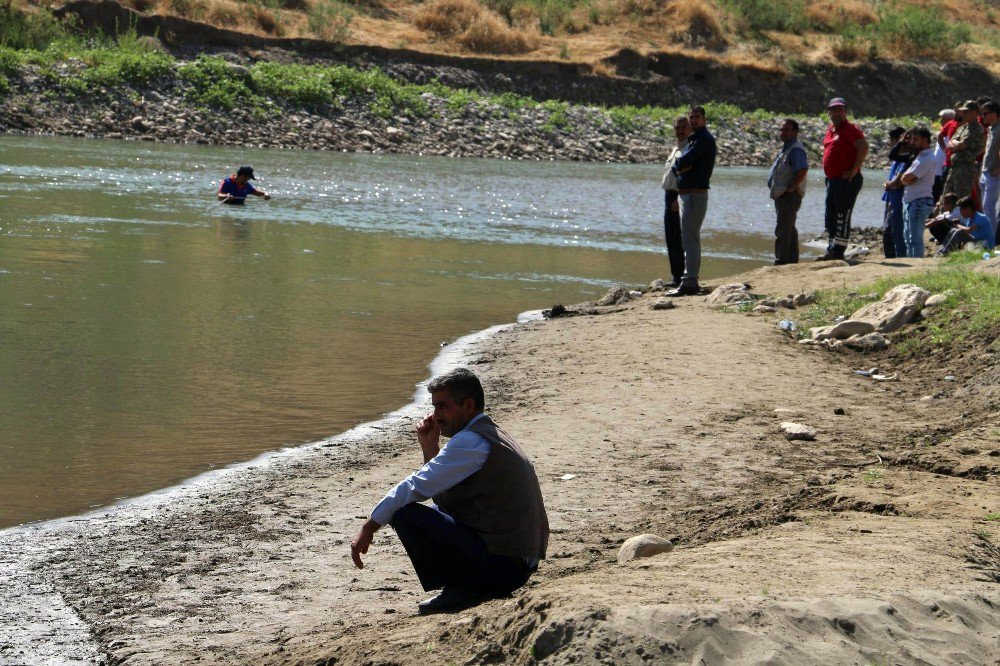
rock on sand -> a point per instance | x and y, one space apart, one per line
795 431
644 545
896 309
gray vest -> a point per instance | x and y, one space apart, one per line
782 174
502 502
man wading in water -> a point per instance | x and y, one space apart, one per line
488 530
236 188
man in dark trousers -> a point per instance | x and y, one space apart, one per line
787 182
844 152
672 208
487 530
694 171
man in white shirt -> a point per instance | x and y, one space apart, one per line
487 530
918 201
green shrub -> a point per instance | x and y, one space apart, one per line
109 67
918 31
331 20
784 15
217 85
10 60
552 15
513 102
27 30
299 84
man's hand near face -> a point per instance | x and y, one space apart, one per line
429 436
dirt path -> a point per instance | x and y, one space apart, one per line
787 552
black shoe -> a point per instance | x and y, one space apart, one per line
831 256
683 291
451 599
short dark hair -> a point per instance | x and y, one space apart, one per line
896 132
950 196
681 119
700 110
967 203
791 121
922 132
461 384
991 107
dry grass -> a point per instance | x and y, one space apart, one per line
850 50
267 21
448 18
490 34
189 9
588 31
224 13
696 24
836 13
473 27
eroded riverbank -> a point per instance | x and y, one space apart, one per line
667 421
230 100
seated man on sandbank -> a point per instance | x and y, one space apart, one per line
487 530
975 227
945 215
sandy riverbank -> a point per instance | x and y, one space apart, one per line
787 552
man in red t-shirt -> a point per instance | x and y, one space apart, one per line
844 152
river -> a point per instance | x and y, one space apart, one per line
148 334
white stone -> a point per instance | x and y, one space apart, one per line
644 545
870 342
935 300
729 294
798 431
842 330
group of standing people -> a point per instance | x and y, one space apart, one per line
923 167
966 154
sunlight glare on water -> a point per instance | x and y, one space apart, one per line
148 333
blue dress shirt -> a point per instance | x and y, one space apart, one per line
464 455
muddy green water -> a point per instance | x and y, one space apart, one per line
148 334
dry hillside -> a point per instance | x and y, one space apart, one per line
779 34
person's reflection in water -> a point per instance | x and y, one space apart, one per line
235 230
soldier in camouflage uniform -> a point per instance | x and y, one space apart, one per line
966 145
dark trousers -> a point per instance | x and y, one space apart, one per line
955 239
446 552
672 231
938 188
941 231
888 247
786 236
840 197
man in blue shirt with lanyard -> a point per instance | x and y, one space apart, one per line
235 189
487 529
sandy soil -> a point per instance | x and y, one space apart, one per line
866 546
